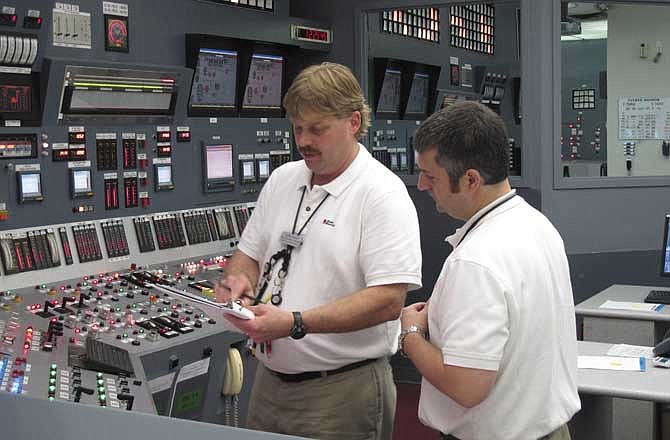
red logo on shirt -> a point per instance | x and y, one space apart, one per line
328 222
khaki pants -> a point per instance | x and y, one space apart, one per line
354 405
560 433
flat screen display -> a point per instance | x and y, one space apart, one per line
389 97
418 95
264 83
15 99
219 161
263 169
214 80
665 249
31 185
248 170
164 175
81 181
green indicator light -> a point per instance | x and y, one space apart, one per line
54 366
98 375
85 283
52 373
52 388
101 382
125 335
101 390
103 397
52 381
118 309
141 330
43 286
52 398
121 290
133 306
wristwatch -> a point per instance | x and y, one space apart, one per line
298 331
403 335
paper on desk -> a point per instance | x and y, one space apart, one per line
624 305
626 350
612 363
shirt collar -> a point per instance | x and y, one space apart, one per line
457 236
341 182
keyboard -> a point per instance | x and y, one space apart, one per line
658 297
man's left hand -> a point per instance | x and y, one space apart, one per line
415 314
269 324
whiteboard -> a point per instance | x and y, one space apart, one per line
644 118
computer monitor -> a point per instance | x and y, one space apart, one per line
665 248
218 167
389 97
29 186
214 82
418 95
264 84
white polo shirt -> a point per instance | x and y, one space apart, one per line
503 302
365 234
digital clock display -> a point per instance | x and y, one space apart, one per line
311 34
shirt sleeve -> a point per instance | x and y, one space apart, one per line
390 243
471 316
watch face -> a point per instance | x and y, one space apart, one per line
298 331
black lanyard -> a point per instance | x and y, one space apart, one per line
283 254
487 212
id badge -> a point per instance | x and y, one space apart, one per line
289 239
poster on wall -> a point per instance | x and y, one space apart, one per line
116 26
644 118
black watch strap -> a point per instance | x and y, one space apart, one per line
298 331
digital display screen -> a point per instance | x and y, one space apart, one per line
81 181
214 80
219 161
665 250
264 83
248 170
31 185
15 99
389 98
263 168
164 175
418 95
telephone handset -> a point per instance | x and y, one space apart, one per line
53 248
8 260
662 348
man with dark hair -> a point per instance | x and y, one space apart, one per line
329 254
501 359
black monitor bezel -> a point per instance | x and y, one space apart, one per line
21 197
80 194
162 186
33 118
666 225
219 184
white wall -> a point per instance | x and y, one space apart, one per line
630 76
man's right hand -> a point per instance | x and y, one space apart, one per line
236 287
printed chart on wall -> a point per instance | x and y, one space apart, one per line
644 118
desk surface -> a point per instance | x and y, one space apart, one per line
652 385
622 292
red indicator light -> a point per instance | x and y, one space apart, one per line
39 21
85 277
164 135
54 319
62 288
79 136
100 294
111 322
77 330
26 346
80 153
13 18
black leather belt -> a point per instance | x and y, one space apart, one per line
308 375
